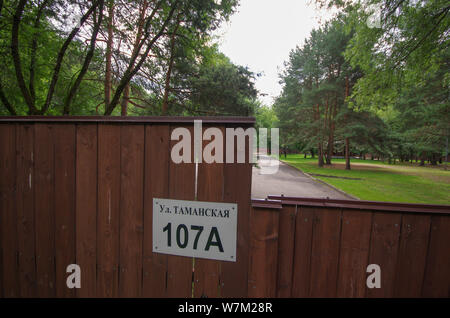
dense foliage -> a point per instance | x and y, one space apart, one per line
374 80
114 57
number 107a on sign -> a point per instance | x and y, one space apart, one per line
195 229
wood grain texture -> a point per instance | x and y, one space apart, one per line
181 187
412 255
86 208
44 210
436 282
325 252
237 189
262 276
354 253
8 222
156 185
25 209
108 210
286 244
210 187
302 252
64 204
384 246
131 210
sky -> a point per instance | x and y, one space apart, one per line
263 32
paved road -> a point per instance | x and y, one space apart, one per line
290 182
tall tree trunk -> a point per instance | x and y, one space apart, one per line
165 102
433 160
109 48
347 153
320 143
135 64
34 48
15 53
320 155
3 98
124 103
330 149
332 123
347 139
62 52
126 90
74 88
6 102
446 149
325 122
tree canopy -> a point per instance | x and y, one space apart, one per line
372 80
118 57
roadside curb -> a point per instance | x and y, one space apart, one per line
323 182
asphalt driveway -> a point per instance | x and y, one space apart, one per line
289 181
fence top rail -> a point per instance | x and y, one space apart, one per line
266 204
129 119
364 205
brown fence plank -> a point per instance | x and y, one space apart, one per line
131 210
25 209
384 246
181 187
64 202
86 208
210 185
108 210
354 252
234 275
325 252
262 275
302 251
286 243
156 185
437 275
8 229
44 210
412 255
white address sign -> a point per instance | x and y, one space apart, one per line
195 229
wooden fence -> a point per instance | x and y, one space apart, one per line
79 190
305 247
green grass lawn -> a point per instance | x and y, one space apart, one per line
380 181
